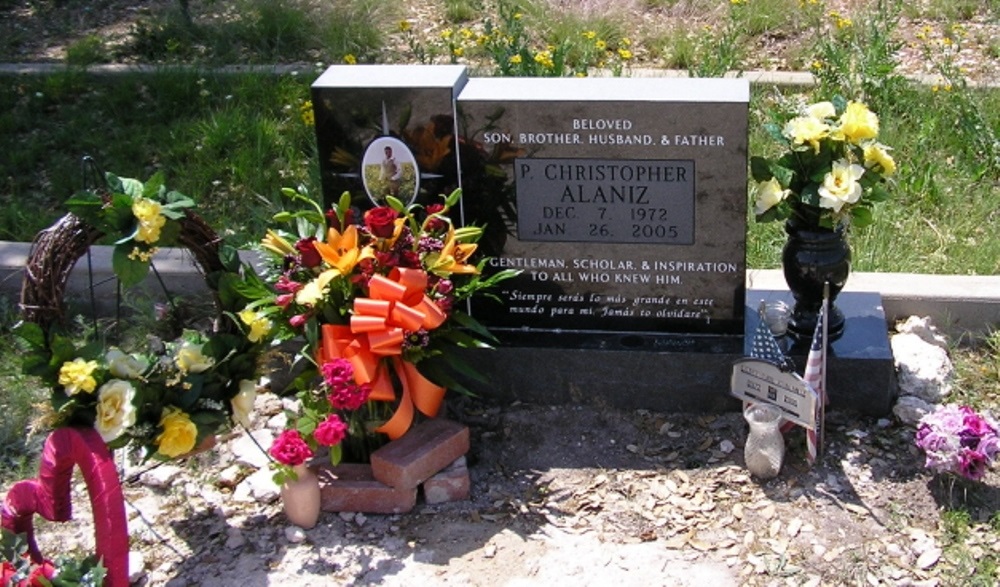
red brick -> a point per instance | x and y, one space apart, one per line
424 450
451 484
350 487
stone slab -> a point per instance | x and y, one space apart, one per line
425 449
351 487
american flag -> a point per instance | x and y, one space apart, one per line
815 376
763 346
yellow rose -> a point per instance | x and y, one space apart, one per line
190 359
856 124
311 293
807 129
260 325
841 186
769 194
822 110
179 433
243 402
125 366
147 212
115 411
78 375
877 154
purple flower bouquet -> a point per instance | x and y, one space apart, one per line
958 440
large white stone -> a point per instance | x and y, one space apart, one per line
160 476
257 487
251 454
924 369
925 329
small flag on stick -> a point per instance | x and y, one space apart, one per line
815 376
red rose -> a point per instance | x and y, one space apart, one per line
434 208
308 255
331 431
290 449
381 221
45 571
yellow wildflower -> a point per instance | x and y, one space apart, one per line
404 26
515 59
458 51
625 54
518 16
589 35
308 116
626 42
601 45
466 33
350 59
447 33
78 375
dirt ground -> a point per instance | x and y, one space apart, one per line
588 496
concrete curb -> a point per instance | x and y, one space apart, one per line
959 304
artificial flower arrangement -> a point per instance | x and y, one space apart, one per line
168 396
17 570
832 171
958 440
376 298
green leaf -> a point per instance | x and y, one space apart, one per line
282 217
131 187
784 175
810 195
336 454
130 272
878 193
30 333
466 321
230 257
344 204
452 200
839 104
395 203
760 169
774 130
861 216
152 187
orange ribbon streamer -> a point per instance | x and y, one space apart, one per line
396 304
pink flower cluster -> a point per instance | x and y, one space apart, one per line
344 394
958 440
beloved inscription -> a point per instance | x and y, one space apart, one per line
595 200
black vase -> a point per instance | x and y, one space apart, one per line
812 256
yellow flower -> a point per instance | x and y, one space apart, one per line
190 359
518 16
452 257
841 186
447 33
308 116
769 195
243 401
404 25
589 35
601 45
466 33
260 325
878 154
458 51
625 54
125 366
626 42
515 59
350 59
78 375
857 124
807 129
115 411
277 244
147 213
179 433
544 58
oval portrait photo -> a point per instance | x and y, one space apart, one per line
390 169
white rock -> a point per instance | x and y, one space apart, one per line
136 566
294 534
909 409
160 476
277 422
147 507
925 329
230 476
259 486
726 446
924 370
247 452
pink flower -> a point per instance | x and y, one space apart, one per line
331 431
284 300
349 397
298 320
337 373
290 449
286 285
41 575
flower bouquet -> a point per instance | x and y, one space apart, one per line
831 171
166 396
376 298
959 441
17 570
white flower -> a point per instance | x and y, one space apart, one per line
841 186
125 366
821 110
115 411
190 359
243 402
769 194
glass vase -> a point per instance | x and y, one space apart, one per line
765 447
301 498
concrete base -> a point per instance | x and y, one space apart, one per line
675 373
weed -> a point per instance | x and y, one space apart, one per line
87 51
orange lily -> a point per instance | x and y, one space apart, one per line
340 251
452 257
